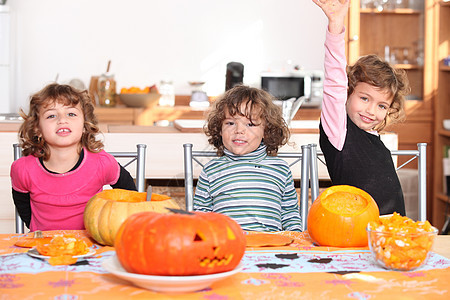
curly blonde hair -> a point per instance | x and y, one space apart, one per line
276 132
378 73
29 134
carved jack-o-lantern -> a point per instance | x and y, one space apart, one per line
179 244
339 217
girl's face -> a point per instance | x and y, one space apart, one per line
367 106
239 135
61 126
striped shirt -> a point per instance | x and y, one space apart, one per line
256 190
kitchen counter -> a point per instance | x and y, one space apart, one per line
10 126
295 126
179 126
148 116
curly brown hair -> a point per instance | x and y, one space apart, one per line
276 132
29 134
376 72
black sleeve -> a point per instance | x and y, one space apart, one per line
125 181
22 203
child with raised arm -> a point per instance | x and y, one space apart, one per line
356 107
63 164
248 182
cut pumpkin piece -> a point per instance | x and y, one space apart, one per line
267 240
32 242
38 238
62 260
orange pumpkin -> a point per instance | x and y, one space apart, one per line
105 211
339 217
179 244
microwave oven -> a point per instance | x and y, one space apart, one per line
296 84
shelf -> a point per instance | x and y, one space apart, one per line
445 3
444 132
397 11
409 66
443 197
444 68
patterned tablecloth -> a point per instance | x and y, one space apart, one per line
298 271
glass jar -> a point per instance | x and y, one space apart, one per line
106 90
167 91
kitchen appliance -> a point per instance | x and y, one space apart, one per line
290 107
167 90
199 98
295 84
234 75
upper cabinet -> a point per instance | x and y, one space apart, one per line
442 134
394 30
400 32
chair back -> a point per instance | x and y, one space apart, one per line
20 227
420 154
138 156
190 156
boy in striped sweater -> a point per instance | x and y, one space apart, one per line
248 182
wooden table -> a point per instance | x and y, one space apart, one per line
296 271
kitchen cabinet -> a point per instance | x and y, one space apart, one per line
441 200
395 34
122 115
404 37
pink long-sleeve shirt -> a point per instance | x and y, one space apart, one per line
58 200
334 114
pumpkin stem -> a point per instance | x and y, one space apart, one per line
149 193
179 211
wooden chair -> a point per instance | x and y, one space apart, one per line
190 156
138 156
420 154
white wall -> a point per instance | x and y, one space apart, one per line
5 69
185 40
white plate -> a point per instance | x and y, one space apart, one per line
34 253
168 284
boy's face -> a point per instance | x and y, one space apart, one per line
367 106
239 135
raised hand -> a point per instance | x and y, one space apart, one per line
335 10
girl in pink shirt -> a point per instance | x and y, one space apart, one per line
356 107
63 164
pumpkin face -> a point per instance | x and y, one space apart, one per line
339 217
105 211
179 244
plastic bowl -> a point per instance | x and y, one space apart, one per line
400 251
139 100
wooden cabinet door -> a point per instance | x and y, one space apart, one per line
353 32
